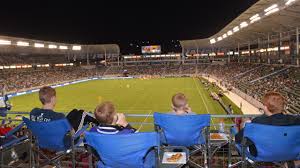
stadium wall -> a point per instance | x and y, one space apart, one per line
29 91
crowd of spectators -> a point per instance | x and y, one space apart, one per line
243 76
20 79
6 60
255 80
258 81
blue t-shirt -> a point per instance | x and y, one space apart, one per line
45 115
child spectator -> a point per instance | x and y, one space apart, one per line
111 122
47 96
180 105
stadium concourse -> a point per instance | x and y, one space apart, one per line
225 77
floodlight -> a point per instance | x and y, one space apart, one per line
22 43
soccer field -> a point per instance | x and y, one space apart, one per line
135 96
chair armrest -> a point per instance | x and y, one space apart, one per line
11 132
17 140
80 132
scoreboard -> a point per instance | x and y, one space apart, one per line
153 49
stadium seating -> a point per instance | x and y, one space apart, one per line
273 143
54 136
186 131
127 151
12 59
12 146
253 79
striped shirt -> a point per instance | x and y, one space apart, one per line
113 129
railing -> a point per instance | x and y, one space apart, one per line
147 119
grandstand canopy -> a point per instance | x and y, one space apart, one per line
21 45
268 21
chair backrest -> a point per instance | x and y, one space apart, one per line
50 135
274 143
185 130
126 150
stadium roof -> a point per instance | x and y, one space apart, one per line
19 45
263 18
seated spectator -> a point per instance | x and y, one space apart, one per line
180 105
47 96
4 104
274 115
111 122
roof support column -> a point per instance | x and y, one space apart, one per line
228 54
68 55
297 46
87 58
249 49
197 57
105 56
279 46
182 55
238 50
258 56
268 45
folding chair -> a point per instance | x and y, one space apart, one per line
12 147
188 131
55 136
136 150
276 144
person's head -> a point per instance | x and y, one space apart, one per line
105 113
274 103
179 103
47 97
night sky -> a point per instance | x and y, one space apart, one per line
128 23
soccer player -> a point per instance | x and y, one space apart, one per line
180 105
111 122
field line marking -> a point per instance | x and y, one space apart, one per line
201 96
212 120
141 126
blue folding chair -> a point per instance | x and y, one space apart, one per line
125 151
276 144
55 136
185 131
10 144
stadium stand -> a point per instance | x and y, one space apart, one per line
263 57
252 79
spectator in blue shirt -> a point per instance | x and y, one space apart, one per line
47 96
111 122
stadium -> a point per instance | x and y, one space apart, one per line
93 105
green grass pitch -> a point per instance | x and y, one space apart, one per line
135 96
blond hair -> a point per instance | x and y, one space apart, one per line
179 101
105 112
